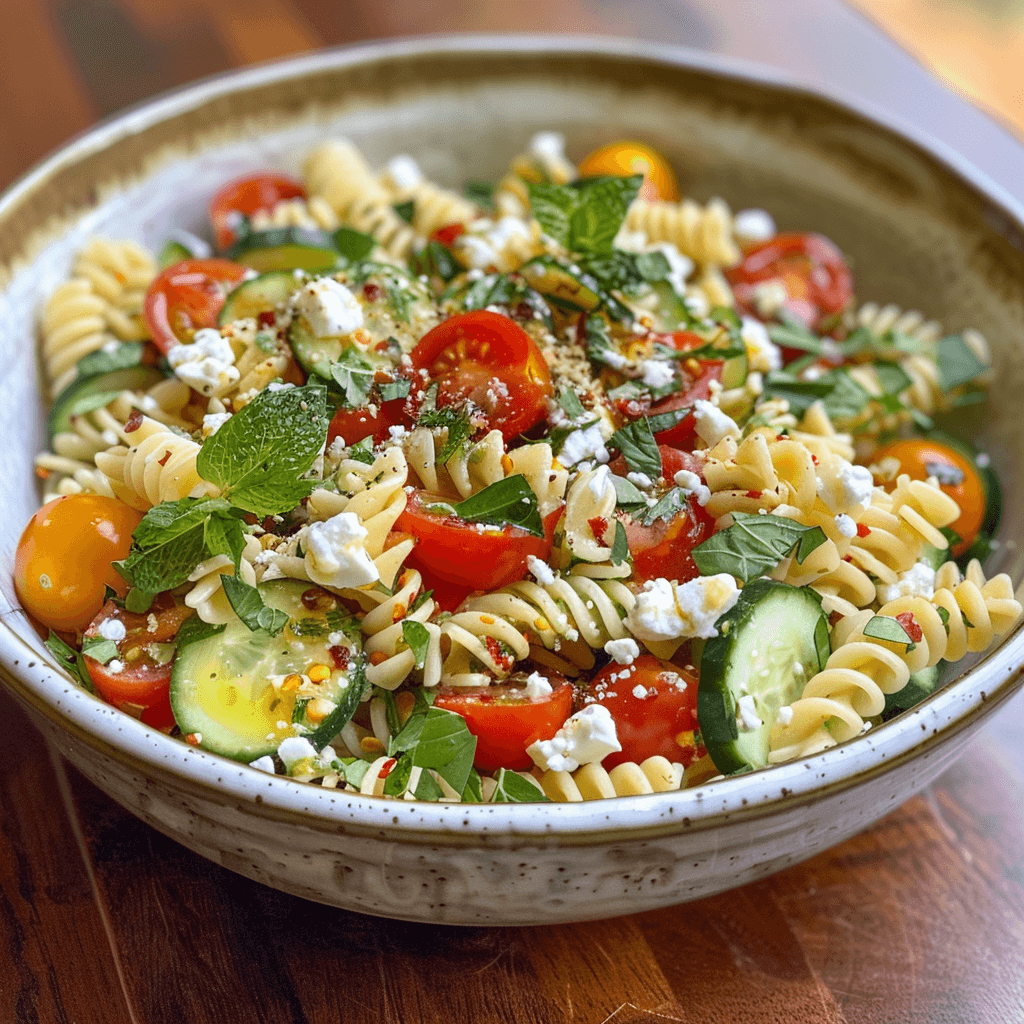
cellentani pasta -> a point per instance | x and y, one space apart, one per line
562 488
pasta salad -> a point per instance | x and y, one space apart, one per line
555 488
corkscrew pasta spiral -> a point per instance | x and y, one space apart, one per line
704 233
592 782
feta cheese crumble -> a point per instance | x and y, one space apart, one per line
691 483
213 421
207 365
846 525
335 552
263 764
294 749
586 443
763 354
624 651
586 737
712 425
656 373
753 226
672 611
402 173
746 714
540 569
537 686
112 629
329 308
917 581
850 489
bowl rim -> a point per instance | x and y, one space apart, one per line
45 689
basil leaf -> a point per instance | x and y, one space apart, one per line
258 457
598 340
447 746
842 397
512 788
405 210
346 706
434 260
193 629
626 493
822 642
397 781
125 356
670 505
392 389
250 608
892 378
353 245
585 215
352 769
639 449
793 334
479 192
362 451
883 627
417 637
460 430
570 403
509 502
957 364
99 649
225 535
666 420
620 546
811 540
652 266
137 600
753 545
427 788
70 660
353 375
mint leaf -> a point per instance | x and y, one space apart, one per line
193 630
250 608
512 788
598 340
793 334
70 660
620 546
957 364
392 389
446 746
883 627
347 704
892 378
353 245
137 600
510 502
460 430
99 649
585 215
353 375
754 544
258 457
225 535
397 781
417 637
668 507
362 451
626 493
427 788
843 398
639 449
434 260
125 356
352 769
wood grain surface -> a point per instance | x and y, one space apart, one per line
104 921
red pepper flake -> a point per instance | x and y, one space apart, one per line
524 311
834 618
372 291
754 494
814 459
910 626
163 461
266 319
862 530
501 659
385 770
134 421
339 655
598 526
447 235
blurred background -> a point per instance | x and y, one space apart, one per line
66 63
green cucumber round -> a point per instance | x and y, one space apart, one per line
263 294
768 645
563 287
87 394
285 249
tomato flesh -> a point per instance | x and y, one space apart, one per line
489 360
505 720
354 425
627 157
654 705
186 297
63 564
245 196
817 281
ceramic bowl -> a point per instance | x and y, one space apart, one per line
921 228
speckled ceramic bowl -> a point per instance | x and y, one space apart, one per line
921 227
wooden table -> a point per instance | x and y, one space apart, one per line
104 921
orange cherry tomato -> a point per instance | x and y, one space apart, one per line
654 705
188 296
63 562
621 159
505 720
470 554
135 680
816 279
920 458
489 360
245 196
665 548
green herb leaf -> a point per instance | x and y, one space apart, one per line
435 261
883 627
353 769
793 334
347 704
417 638
479 192
810 541
397 781
125 356
626 493
193 629
353 245
460 430
405 210
844 399
512 788
957 364
137 600
427 788
639 449
620 546
447 746
70 660
511 502
584 216
225 535
352 373
822 642
753 545
598 339
892 378
258 457
668 507
362 451
99 649
571 404
392 389
250 608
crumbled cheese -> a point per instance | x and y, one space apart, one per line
747 717
763 355
295 749
785 715
712 425
641 480
917 581
112 629
585 738
983 460
670 611
691 483
656 373
624 651
207 365
600 484
484 242
850 489
846 525
769 297
583 444
335 552
213 421
276 385
541 570
680 267
537 686
115 666
330 309
402 173
263 764
640 691
753 226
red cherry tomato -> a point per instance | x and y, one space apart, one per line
812 270
664 549
356 424
188 296
446 595
490 360
447 234
138 679
64 559
505 721
470 554
245 196
654 705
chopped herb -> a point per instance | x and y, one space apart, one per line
755 544
70 660
392 389
638 447
512 788
456 421
405 210
570 403
479 192
620 546
417 638
957 363
353 245
585 215
884 627
99 649
509 502
250 607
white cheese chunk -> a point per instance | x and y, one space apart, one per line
583 444
691 483
585 738
207 365
917 581
846 525
680 267
335 552
537 686
763 355
112 629
329 308
541 570
263 764
402 173
656 373
712 425
672 611
747 717
213 421
295 749
785 715
753 226
849 490
624 651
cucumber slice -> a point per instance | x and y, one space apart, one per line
922 684
576 291
262 294
86 394
221 689
285 249
769 644
172 252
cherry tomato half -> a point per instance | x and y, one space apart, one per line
810 268
490 360
654 705
245 196
63 562
664 549
138 679
696 385
920 458
505 720
469 554
626 157
356 424
186 297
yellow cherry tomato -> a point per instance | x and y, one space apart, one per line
63 561
626 157
920 458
